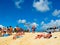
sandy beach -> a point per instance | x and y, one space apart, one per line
29 39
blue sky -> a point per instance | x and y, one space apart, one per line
39 12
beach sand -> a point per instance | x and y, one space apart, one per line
29 39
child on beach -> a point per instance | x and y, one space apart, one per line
44 35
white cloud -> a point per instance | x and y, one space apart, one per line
42 22
21 21
52 23
1 26
27 24
34 24
56 13
18 3
41 5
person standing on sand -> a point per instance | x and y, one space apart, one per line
33 29
54 28
11 29
3 29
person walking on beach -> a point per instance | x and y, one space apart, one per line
33 29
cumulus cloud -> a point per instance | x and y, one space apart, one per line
27 24
56 13
21 21
18 3
42 5
52 23
1 26
34 24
